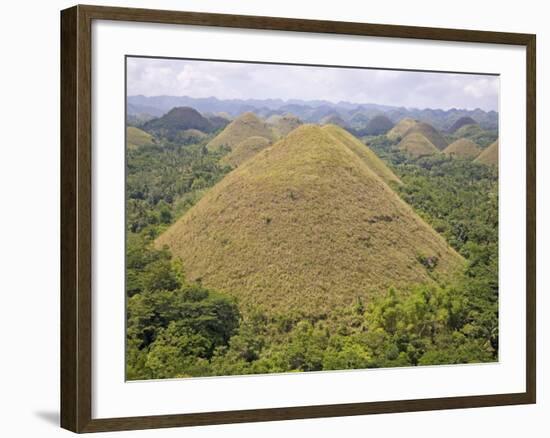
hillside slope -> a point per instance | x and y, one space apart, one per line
462 121
430 133
417 145
363 152
135 138
476 134
306 224
463 148
283 124
245 150
489 156
333 119
378 125
172 124
399 130
245 126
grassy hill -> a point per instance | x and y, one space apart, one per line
245 126
399 130
359 120
218 121
477 134
135 138
363 152
334 119
245 150
463 121
378 125
463 148
417 145
306 224
283 124
489 156
176 121
192 136
430 133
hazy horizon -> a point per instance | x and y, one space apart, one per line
237 80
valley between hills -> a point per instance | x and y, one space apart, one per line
261 240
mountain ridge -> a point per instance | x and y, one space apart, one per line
310 110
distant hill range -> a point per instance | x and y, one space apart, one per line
356 116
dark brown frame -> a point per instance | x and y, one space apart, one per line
76 237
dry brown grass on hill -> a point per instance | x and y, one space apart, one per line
193 134
399 130
364 152
463 148
306 224
417 145
489 156
430 133
245 150
245 126
135 138
282 125
463 121
333 119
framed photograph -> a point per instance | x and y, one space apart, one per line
269 219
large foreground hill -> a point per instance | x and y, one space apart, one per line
306 224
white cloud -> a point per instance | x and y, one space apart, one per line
227 80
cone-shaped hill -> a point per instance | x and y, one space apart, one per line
363 152
378 125
244 150
417 145
177 120
334 119
283 124
463 148
218 121
430 133
463 121
477 134
192 135
306 224
399 130
489 156
245 126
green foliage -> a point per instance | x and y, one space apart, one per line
173 327
459 198
163 181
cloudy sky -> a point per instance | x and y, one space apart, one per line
228 80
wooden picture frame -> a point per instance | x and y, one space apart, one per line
76 218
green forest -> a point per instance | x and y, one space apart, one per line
180 328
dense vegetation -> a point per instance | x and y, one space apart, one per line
176 328
164 180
